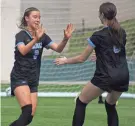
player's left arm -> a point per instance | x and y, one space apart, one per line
67 34
59 47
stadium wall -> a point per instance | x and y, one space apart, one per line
10 11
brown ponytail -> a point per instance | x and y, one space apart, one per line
109 12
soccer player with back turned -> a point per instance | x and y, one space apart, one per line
111 72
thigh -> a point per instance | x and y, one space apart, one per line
23 95
34 96
34 99
113 97
17 83
90 92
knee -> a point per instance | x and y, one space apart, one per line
80 102
111 101
27 110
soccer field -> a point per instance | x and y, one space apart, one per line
59 112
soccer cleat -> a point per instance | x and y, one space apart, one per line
100 102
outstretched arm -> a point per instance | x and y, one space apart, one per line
77 59
67 34
93 56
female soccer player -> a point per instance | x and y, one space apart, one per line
30 42
111 73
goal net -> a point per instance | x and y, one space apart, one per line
68 80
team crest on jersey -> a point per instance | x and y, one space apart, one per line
116 49
37 46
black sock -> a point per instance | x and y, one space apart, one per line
24 117
112 116
27 123
79 113
29 120
100 98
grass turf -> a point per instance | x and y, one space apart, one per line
59 112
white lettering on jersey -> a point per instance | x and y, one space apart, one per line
37 46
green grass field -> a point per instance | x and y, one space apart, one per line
62 88
59 112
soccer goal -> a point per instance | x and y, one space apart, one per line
68 80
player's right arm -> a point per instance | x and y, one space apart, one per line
92 43
93 56
24 49
77 59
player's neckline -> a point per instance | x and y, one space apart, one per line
28 33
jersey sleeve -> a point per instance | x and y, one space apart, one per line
47 41
19 38
93 41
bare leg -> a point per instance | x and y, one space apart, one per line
89 92
23 96
34 102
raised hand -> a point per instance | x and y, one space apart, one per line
68 31
39 31
60 61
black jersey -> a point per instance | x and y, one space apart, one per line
27 67
111 63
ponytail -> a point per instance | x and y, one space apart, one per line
116 30
23 23
108 11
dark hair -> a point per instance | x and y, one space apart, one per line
109 12
27 12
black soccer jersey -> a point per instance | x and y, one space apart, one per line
27 67
111 64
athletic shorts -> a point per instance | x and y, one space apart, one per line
108 86
32 85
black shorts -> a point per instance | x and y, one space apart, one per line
108 86
32 85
